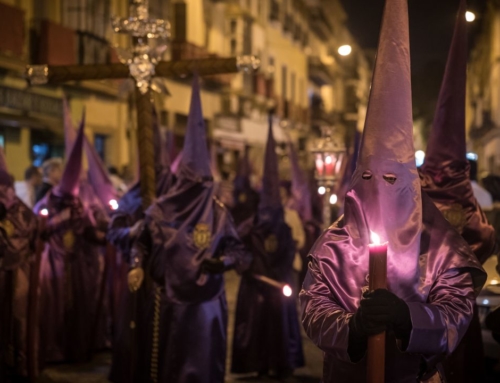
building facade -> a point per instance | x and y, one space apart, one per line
483 93
302 76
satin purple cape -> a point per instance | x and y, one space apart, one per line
184 228
17 248
438 282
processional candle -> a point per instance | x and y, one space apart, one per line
377 280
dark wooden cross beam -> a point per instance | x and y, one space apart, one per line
142 67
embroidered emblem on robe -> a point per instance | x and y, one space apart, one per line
8 228
69 240
202 236
455 215
271 244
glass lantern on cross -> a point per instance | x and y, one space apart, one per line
329 154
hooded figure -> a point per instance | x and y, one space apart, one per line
432 275
94 188
188 242
245 198
18 227
125 226
266 333
67 270
445 178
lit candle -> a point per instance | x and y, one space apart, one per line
285 288
378 280
329 166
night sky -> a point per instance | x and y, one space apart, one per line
431 29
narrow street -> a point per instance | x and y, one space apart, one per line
97 370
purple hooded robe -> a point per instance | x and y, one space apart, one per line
67 268
266 332
18 228
129 213
95 192
429 265
445 178
184 229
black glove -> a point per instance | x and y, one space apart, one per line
381 309
213 266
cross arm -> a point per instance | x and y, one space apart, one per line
53 74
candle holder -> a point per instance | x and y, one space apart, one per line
329 155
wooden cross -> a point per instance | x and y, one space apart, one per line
142 66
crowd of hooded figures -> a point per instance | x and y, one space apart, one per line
88 269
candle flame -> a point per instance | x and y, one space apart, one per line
44 212
113 204
287 291
328 160
375 238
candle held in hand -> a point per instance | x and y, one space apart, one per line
378 263
378 280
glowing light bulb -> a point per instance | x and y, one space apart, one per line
44 212
328 160
494 282
333 199
321 190
375 238
470 16
345 50
471 156
287 291
419 157
113 204
486 302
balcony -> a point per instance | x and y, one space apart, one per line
319 73
11 30
320 25
47 39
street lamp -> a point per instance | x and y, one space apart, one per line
328 157
470 16
345 50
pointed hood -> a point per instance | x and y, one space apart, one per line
98 175
71 176
195 162
447 139
69 130
385 182
270 195
445 173
301 195
5 177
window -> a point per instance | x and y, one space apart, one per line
179 18
232 26
100 145
284 74
233 46
87 15
292 87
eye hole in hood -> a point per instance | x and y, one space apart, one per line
367 175
391 178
